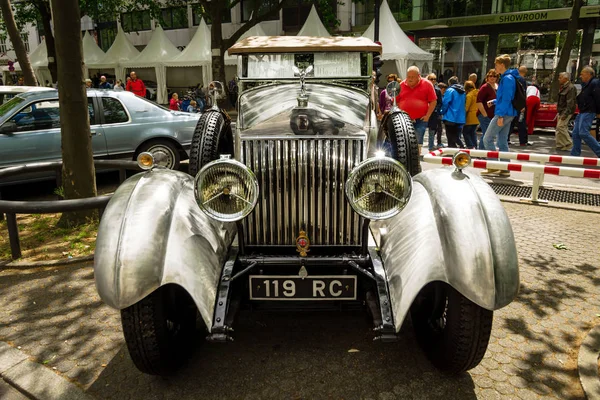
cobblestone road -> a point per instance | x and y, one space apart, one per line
55 315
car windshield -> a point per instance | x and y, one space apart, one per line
341 103
10 104
153 103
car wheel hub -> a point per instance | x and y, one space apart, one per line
163 155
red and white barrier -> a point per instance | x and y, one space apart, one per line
539 170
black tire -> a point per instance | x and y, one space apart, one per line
403 141
212 138
167 150
453 331
160 330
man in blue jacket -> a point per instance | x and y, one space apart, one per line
453 109
588 102
504 113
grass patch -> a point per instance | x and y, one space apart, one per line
42 240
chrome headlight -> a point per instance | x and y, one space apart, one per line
378 188
226 190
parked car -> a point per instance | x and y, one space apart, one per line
546 116
151 88
122 125
8 92
297 207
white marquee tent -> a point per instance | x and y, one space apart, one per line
196 54
397 46
313 25
256 30
120 52
91 52
39 63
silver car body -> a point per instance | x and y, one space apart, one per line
454 228
136 121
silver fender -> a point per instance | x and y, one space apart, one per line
152 233
454 229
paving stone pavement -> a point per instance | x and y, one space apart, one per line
55 315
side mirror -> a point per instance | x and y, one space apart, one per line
8 128
393 89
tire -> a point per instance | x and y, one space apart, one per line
402 142
163 150
453 331
160 330
212 138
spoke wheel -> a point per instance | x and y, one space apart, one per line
453 331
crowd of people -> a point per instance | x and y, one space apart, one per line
503 102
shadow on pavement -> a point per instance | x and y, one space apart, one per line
293 356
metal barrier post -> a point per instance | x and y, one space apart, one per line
13 235
538 181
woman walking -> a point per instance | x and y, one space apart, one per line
485 111
470 128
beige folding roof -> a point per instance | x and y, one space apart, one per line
288 44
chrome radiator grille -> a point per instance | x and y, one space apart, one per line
302 189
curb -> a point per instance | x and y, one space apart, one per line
35 380
47 263
587 364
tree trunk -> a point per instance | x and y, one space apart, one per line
78 174
218 61
44 7
565 53
17 42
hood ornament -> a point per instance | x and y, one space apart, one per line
302 97
393 89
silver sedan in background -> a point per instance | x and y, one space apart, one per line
122 126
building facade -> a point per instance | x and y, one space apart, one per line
31 39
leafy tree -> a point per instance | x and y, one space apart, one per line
17 42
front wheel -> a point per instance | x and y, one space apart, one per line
212 137
160 329
452 330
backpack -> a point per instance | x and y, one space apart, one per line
520 99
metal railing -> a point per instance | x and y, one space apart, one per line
12 208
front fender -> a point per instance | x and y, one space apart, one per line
152 233
455 230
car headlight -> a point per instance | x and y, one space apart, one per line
378 188
226 190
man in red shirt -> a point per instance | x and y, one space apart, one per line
417 97
136 85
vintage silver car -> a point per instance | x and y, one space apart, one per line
304 203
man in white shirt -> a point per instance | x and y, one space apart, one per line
533 105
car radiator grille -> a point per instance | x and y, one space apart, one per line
302 189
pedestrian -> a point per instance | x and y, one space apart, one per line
417 97
118 86
487 93
104 84
135 85
565 107
588 102
470 128
21 81
48 84
435 121
521 122
174 103
89 84
193 107
385 100
453 111
533 105
473 78
504 112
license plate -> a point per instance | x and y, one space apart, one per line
265 287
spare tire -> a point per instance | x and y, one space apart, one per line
212 138
401 140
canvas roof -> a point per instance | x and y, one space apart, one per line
395 43
463 51
197 52
256 30
313 25
38 57
158 50
91 52
285 44
121 51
